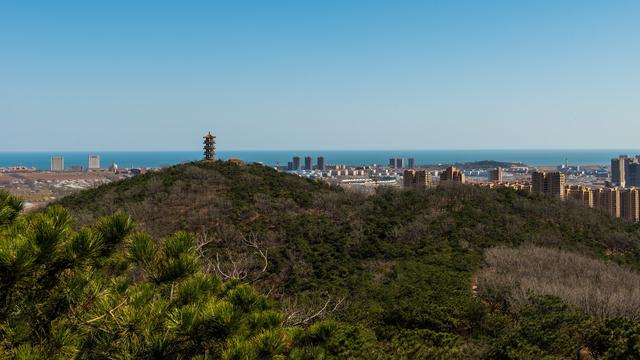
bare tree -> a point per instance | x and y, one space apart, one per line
304 314
600 288
248 262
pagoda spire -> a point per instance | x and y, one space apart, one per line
209 147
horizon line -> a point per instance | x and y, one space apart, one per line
319 150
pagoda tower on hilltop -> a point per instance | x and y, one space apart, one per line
209 147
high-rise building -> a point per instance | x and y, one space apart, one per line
296 163
495 174
392 163
453 175
581 194
632 174
630 204
597 195
417 178
399 163
548 183
618 170
556 184
321 163
209 147
627 173
308 163
94 162
57 163
412 163
607 200
290 165
538 182
612 200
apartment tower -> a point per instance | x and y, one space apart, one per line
607 200
57 163
630 204
495 175
551 183
451 174
417 178
94 162
581 194
618 170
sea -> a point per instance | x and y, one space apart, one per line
156 159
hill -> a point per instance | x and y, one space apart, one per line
398 268
488 164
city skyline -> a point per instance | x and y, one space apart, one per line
336 75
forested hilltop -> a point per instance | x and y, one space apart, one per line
449 272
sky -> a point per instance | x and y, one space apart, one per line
333 74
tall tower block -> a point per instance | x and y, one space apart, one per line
209 147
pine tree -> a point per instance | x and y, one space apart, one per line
108 291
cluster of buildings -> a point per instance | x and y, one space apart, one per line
57 164
619 197
621 202
295 165
18 168
398 163
617 201
625 171
417 178
424 178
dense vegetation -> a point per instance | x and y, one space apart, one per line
405 262
108 291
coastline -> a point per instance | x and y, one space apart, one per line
155 159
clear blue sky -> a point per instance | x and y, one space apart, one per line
344 74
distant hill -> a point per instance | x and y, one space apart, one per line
482 164
488 164
399 267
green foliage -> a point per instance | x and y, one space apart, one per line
615 339
404 260
10 207
542 327
113 229
109 292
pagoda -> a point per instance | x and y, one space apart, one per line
209 147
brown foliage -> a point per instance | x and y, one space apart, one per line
601 289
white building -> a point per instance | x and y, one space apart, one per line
57 163
94 162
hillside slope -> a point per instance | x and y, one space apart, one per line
403 261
